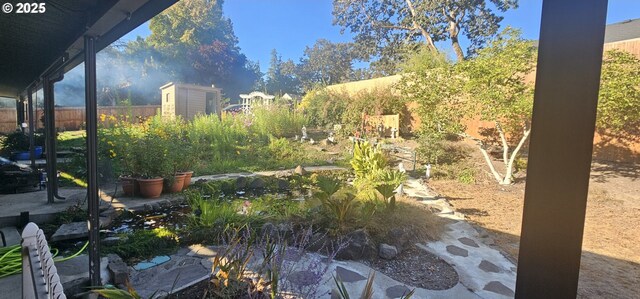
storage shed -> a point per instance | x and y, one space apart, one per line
188 100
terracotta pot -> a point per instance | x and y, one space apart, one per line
187 178
151 188
130 186
176 185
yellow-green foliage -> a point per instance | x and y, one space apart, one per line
367 160
144 244
207 144
278 121
327 107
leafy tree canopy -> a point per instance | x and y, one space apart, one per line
326 63
619 100
282 76
384 27
197 42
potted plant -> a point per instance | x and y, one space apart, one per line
172 132
184 164
17 145
118 143
152 165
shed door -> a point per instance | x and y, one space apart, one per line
211 107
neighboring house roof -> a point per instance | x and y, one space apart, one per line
625 30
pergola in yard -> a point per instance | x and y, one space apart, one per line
37 49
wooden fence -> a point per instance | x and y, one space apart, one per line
7 120
73 118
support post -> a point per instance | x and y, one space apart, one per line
49 137
92 159
563 124
19 112
32 147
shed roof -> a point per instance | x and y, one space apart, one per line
191 86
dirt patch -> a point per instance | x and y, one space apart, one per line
610 265
418 268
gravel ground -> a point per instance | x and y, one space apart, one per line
418 268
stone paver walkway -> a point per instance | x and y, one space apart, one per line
193 264
481 268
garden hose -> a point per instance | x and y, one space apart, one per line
11 259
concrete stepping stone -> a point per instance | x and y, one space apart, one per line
69 231
303 278
11 236
397 291
347 275
468 242
488 266
498 288
455 250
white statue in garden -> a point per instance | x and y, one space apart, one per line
304 133
331 138
427 173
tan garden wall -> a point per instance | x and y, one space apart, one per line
605 147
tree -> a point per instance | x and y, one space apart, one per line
384 26
433 81
619 100
434 84
326 63
496 91
281 76
197 41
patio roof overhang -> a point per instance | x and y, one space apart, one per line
34 44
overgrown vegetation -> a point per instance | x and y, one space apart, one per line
207 144
325 108
490 87
144 244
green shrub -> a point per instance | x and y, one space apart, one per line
278 121
367 160
144 244
520 164
435 150
387 181
341 208
16 141
467 176
324 108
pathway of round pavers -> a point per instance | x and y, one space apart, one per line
481 267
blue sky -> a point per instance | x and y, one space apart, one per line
291 25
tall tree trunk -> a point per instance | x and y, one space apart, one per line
505 144
416 25
457 48
487 159
508 174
